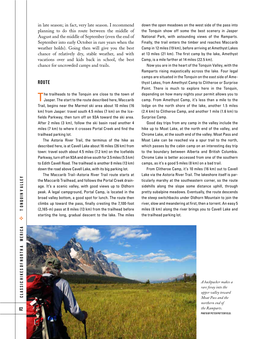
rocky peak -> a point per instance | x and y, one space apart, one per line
100 255
73 244
91 249
115 269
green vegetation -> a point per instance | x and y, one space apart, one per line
189 278
95 279
135 311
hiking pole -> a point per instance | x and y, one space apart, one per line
45 332
84 323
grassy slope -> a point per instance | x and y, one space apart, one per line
135 311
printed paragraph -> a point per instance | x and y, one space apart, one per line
189 68
214 296
189 167
84 45
82 172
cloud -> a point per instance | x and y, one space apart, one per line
128 233
44 234
88 234
114 256
151 257
123 244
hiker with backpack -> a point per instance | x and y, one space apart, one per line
45 294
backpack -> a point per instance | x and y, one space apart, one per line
39 305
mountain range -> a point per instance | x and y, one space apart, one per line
74 259
179 277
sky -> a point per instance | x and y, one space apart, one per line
141 252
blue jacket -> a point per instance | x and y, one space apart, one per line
62 292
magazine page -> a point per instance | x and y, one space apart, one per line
132 169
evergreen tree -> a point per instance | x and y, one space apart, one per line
193 278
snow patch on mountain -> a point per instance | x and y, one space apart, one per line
73 253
